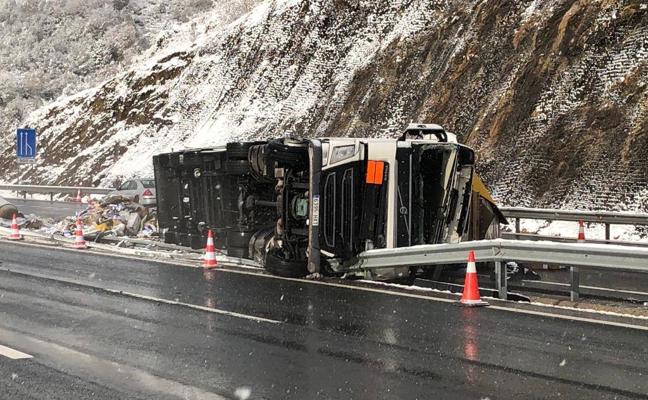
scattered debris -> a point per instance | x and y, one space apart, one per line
115 216
515 271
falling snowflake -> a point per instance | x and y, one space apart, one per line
243 393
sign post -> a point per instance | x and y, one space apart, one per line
26 145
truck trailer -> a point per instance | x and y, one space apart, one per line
311 206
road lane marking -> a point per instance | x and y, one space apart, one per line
146 297
176 263
570 318
113 374
13 354
193 306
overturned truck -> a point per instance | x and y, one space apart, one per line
312 206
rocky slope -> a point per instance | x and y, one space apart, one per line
552 94
59 47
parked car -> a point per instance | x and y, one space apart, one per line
141 191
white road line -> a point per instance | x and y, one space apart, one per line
570 318
117 374
193 306
148 298
13 354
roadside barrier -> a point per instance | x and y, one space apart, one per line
501 251
607 218
209 260
470 296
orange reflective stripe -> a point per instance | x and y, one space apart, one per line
371 171
380 168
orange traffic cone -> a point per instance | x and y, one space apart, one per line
209 261
470 296
581 232
79 242
78 197
15 232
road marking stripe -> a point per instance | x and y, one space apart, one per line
193 306
570 318
13 354
145 297
382 291
112 373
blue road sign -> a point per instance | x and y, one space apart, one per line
26 144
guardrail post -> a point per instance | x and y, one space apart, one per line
51 197
607 231
575 283
500 277
517 225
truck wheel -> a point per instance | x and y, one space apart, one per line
277 265
258 165
237 238
240 252
292 155
239 151
238 167
406 280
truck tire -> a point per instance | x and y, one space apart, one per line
277 265
240 252
258 164
238 167
292 155
236 238
239 151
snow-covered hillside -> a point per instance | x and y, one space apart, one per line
59 47
552 94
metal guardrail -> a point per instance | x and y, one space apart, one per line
563 239
499 251
603 217
51 190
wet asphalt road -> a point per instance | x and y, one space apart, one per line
46 209
288 339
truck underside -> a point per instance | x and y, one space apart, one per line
311 206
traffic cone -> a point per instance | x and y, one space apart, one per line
581 232
78 197
79 242
15 232
209 261
470 296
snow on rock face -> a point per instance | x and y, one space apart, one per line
551 94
